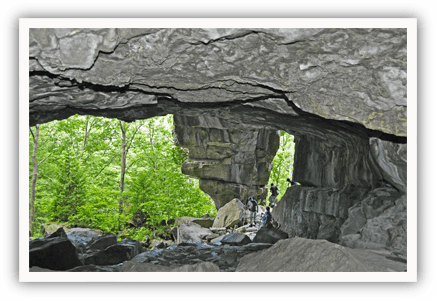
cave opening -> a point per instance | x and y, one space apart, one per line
110 175
283 164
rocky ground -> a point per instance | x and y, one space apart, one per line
232 247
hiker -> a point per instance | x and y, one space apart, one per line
252 207
267 217
293 183
273 197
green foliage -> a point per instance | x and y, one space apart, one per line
79 179
283 163
100 210
69 186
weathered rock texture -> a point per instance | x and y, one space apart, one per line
341 92
230 162
342 74
305 255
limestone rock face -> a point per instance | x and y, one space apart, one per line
343 74
392 159
384 226
302 211
305 255
223 156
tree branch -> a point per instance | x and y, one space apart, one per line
32 134
44 159
133 136
106 165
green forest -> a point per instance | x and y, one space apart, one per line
107 174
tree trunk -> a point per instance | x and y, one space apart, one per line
34 178
123 156
123 171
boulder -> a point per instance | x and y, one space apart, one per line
217 240
356 220
269 235
307 255
190 233
329 231
114 254
235 239
147 256
102 242
160 244
220 231
184 220
56 253
388 230
209 237
80 237
204 222
230 214
58 233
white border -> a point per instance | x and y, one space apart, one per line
410 24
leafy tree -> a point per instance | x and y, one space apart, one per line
82 181
283 163
69 186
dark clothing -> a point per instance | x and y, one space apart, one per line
274 190
252 205
267 218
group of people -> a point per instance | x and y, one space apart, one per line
267 217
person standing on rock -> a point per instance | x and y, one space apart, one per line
252 207
273 198
293 183
267 217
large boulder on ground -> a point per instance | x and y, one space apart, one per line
236 239
307 255
190 233
270 235
102 242
114 254
230 214
80 237
160 244
385 226
58 233
329 231
204 222
183 220
147 256
56 253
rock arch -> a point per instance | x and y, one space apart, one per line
340 92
